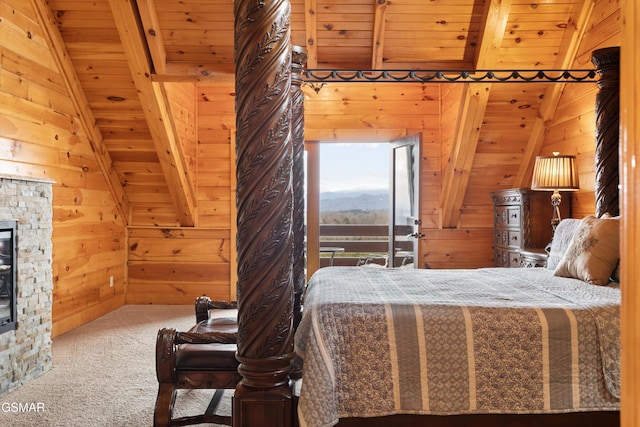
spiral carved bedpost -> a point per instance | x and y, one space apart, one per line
607 63
264 199
299 60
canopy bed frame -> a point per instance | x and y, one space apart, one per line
269 198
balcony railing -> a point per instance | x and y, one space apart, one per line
355 244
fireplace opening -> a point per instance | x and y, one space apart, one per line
8 262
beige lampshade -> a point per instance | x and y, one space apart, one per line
555 173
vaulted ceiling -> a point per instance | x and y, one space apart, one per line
114 54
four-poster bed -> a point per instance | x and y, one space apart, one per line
379 342
269 274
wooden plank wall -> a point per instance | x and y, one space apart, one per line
511 111
173 265
216 161
41 137
469 246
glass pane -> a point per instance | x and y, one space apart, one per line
404 205
354 203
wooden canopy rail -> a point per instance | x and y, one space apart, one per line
270 135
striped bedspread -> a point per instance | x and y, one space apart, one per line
377 342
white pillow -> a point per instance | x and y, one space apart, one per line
561 239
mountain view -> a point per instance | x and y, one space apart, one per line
366 200
354 207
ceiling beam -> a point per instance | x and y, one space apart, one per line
576 27
85 116
311 31
156 109
378 34
493 27
463 150
175 72
188 72
473 106
149 18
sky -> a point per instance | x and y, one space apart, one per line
354 166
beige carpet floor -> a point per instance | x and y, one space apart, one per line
103 374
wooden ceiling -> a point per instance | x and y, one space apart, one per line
113 54
193 39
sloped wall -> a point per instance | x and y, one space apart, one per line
40 137
572 130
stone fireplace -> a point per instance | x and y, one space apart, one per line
25 346
8 259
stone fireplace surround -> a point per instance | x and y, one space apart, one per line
25 352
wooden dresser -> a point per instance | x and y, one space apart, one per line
522 221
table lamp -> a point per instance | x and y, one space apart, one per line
555 173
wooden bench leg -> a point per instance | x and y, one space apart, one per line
164 405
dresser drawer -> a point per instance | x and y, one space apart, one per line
508 237
507 258
514 259
508 216
514 238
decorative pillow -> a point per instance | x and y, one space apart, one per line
560 242
594 251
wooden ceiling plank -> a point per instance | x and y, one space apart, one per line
378 34
87 120
576 27
151 25
156 110
458 170
311 30
188 72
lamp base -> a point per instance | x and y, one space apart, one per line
556 198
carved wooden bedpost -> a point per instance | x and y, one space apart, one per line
607 63
264 198
299 60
